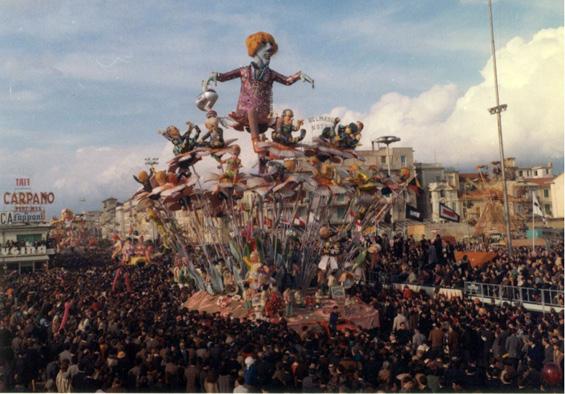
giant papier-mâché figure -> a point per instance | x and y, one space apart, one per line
254 106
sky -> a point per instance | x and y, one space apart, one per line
86 85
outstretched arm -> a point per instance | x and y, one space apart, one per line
205 136
221 77
292 78
197 132
190 127
277 77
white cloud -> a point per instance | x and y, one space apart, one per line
94 173
459 129
91 172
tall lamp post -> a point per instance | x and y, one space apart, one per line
497 110
386 140
151 162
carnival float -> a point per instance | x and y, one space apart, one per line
269 243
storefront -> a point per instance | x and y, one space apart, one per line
23 247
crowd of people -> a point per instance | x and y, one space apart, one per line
433 263
21 244
66 330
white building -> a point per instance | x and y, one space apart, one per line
108 217
557 197
444 193
23 247
535 171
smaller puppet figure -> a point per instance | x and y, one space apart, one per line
342 136
298 299
264 275
253 263
348 136
182 142
233 164
356 176
276 171
329 133
329 172
288 297
144 179
285 127
362 180
214 138
331 249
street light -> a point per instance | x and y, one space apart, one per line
387 140
497 110
151 161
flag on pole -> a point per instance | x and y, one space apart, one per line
537 207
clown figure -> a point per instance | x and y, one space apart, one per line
254 106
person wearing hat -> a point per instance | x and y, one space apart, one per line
182 143
284 128
348 136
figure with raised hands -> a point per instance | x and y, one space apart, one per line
348 136
182 142
214 138
284 128
254 107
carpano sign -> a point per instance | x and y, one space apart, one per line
23 195
28 198
23 251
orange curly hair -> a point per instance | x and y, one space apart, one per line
254 41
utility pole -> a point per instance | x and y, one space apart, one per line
387 140
497 111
